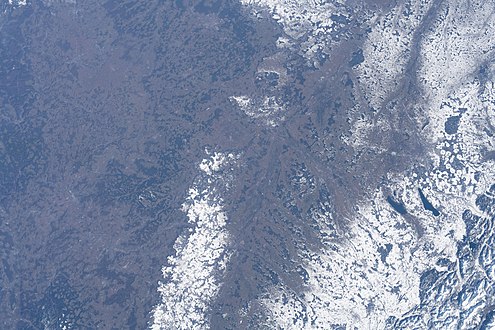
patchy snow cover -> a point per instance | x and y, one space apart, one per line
461 39
193 275
460 105
464 165
269 109
308 24
17 2
387 49
464 168
374 274
356 284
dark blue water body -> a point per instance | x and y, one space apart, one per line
340 19
452 124
385 251
357 58
426 203
397 206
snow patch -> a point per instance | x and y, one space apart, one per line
17 3
192 277
269 109
461 38
387 50
372 275
311 27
